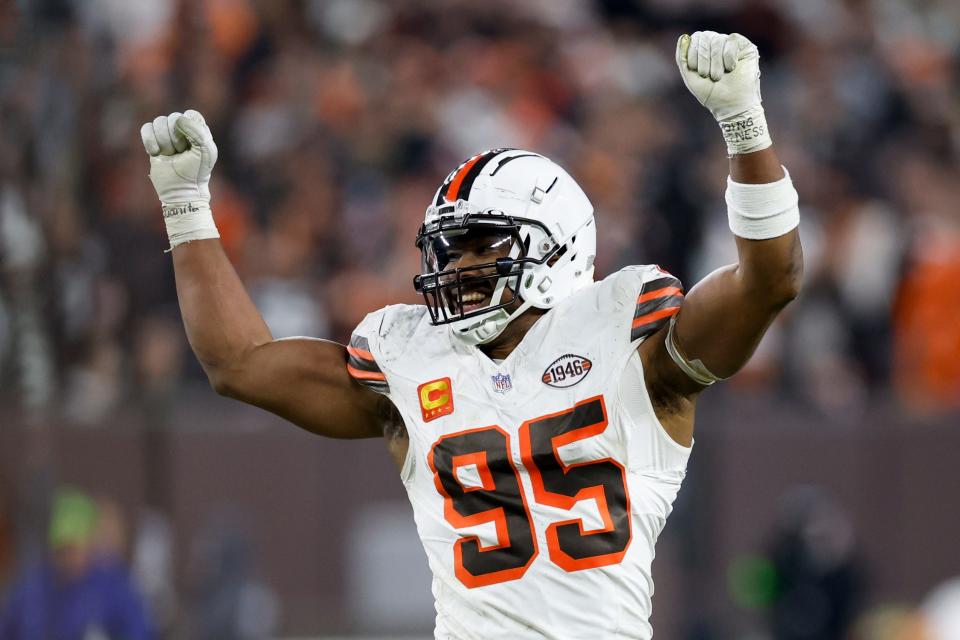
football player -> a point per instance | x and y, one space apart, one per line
541 421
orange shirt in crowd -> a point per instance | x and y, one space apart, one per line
927 327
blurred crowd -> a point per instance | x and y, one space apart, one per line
337 119
810 583
81 588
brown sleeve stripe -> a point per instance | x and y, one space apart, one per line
362 364
659 293
666 281
663 302
651 323
654 316
658 301
653 286
360 356
363 367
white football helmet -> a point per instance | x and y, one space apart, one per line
528 231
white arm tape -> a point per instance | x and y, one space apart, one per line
762 211
695 369
189 221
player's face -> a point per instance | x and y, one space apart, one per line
466 251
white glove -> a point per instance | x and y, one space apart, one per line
723 72
182 154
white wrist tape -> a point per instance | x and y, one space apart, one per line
746 132
188 221
762 211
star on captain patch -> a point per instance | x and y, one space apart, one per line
501 382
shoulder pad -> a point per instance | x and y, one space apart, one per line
379 337
399 323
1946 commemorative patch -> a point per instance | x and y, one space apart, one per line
566 371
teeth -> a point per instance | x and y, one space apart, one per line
473 297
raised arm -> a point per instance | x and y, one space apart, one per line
303 380
726 314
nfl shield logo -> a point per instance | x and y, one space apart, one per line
501 382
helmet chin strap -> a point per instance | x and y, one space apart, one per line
489 326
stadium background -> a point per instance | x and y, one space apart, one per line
833 453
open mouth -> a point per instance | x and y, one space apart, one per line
474 296
474 300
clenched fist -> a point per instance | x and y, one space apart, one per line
182 154
723 73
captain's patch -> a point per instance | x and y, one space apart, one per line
436 399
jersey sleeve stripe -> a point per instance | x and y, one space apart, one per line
659 293
660 283
362 354
365 375
663 302
379 387
359 342
651 323
654 316
363 367
361 359
659 300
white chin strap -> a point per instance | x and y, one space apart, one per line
483 329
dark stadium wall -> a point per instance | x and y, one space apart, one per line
297 492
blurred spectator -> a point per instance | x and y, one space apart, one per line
153 569
928 305
81 590
336 120
818 578
230 600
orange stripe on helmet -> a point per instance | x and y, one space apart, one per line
458 179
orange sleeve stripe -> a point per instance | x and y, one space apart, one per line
655 315
458 179
660 293
365 375
360 353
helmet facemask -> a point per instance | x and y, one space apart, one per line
473 264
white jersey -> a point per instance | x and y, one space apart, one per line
539 484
